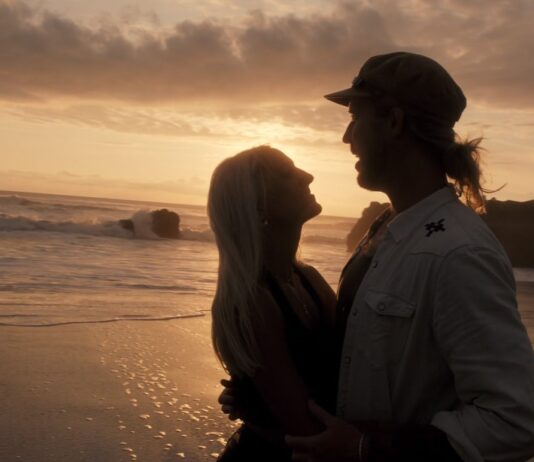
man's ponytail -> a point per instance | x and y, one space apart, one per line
461 161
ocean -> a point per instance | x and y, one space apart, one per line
66 260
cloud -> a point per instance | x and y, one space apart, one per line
312 126
128 120
487 46
302 124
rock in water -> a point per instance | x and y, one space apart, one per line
166 223
127 224
359 230
513 224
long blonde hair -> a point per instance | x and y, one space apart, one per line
235 198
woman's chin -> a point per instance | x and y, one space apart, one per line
314 210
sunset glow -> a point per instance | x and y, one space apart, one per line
119 99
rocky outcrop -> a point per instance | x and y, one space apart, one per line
512 223
127 224
165 224
369 215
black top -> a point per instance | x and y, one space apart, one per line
312 350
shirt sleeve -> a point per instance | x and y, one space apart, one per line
479 331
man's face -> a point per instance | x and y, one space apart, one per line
365 135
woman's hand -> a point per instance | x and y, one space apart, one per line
339 442
228 399
239 401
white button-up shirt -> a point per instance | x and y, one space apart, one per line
434 335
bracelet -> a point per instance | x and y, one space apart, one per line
360 447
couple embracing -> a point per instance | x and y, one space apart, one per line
421 355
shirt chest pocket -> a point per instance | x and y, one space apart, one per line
389 321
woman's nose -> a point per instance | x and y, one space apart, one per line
307 177
348 133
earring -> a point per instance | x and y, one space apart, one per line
265 222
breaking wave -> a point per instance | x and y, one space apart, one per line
142 221
318 239
142 224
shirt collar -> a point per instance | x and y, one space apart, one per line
410 219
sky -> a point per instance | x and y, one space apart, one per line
141 100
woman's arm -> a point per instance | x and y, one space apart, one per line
277 380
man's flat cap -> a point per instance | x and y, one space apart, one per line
417 83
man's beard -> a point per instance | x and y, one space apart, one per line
373 167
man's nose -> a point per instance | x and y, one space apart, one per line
348 134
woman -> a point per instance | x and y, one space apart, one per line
273 316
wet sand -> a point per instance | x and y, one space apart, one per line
120 391
123 391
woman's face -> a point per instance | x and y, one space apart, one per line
288 199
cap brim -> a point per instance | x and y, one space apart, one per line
344 97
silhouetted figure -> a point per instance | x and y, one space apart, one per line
435 363
434 348
272 315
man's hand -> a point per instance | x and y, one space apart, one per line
337 443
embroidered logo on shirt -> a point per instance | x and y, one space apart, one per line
434 227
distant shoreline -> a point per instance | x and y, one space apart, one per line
137 201
105 199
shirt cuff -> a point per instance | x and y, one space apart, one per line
448 423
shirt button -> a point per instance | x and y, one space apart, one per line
346 360
375 264
381 307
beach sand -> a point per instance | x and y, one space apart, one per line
120 391
111 392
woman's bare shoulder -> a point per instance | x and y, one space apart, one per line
314 276
308 269
323 289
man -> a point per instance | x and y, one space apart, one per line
435 363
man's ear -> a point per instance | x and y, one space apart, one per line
396 121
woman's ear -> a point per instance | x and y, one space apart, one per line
396 121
